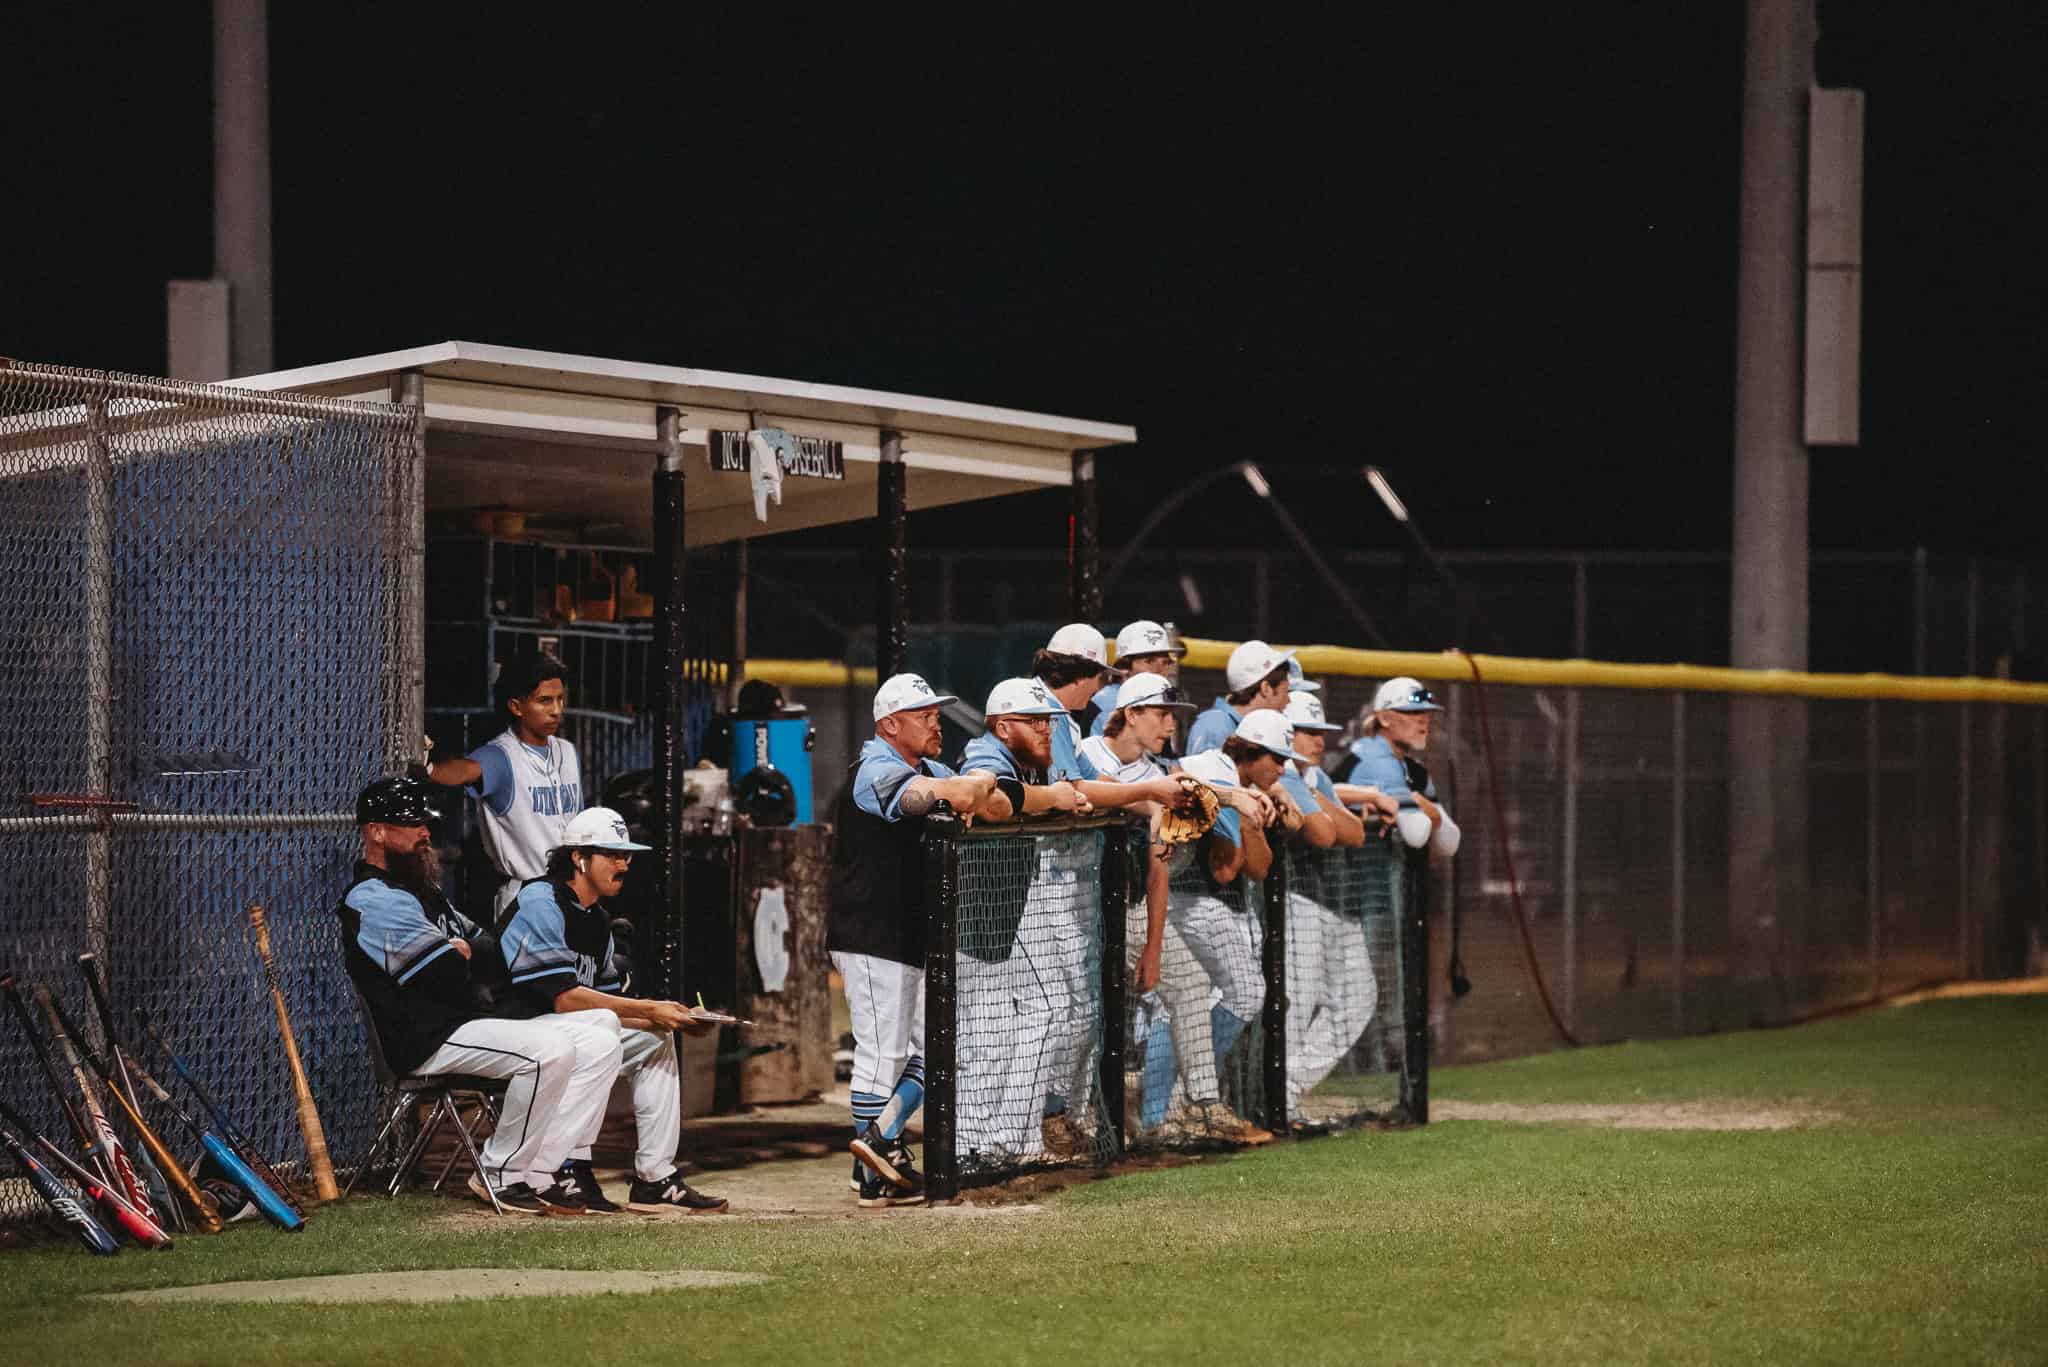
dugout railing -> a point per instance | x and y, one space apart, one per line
1031 931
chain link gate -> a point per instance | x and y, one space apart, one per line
211 641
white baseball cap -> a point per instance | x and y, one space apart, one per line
1403 694
1213 767
1146 638
1251 662
1149 690
1022 698
598 828
1270 731
1078 638
907 692
1305 710
1297 682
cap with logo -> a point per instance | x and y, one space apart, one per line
395 802
1022 698
1146 638
1403 694
1305 710
1150 690
905 693
598 828
1251 662
1297 682
1270 731
1082 640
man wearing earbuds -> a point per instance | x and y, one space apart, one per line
558 949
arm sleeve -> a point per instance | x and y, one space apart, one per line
537 957
1227 825
1448 837
494 785
1413 823
393 930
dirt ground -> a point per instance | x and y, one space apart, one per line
1686 1116
452 1284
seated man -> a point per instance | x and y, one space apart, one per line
557 943
415 960
1051 976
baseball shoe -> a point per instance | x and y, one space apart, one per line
871 1148
879 1193
561 1199
1232 1128
853 1182
515 1198
578 1176
673 1193
1063 1138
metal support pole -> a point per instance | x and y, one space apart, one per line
1872 888
669 696
1964 865
1579 606
1117 889
1262 594
1413 872
736 675
1084 549
241 178
1678 863
1571 860
99 668
892 600
1273 963
941 1003
409 389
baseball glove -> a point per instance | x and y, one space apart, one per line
1192 816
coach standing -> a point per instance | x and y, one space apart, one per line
874 925
1388 756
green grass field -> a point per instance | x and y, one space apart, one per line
1910 1227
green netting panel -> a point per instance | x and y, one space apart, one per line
1344 985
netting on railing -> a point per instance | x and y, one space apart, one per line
1345 1048
211 637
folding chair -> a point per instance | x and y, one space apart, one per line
445 1091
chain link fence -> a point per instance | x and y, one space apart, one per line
1895 843
211 640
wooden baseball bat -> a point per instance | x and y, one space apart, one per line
69 1043
302 1091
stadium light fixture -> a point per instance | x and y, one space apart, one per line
1255 479
1388 497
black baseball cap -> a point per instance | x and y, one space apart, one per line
395 802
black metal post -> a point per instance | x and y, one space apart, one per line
892 599
1273 961
1084 544
1415 987
1117 842
941 1002
664 936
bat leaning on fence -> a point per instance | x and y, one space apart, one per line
59 1199
71 1044
302 1091
224 1125
89 969
275 1208
80 1131
114 1210
124 1177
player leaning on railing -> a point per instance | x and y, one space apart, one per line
1387 755
875 927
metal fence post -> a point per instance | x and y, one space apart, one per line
1571 860
409 389
1412 875
1871 888
892 592
941 1002
1964 865
1273 963
1678 863
99 669
1117 844
669 691
1084 550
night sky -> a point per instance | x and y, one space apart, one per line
1495 256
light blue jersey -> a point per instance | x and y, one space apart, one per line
987 755
1375 764
882 776
1216 724
1104 702
525 797
1067 760
393 930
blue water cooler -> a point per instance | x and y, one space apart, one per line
782 741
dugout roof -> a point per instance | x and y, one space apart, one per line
572 438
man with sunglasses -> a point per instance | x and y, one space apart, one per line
1388 756
558 948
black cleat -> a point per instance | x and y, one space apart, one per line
581 1178
515 1198
672 1193
873 1150
879 1193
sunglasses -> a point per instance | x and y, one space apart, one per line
1172 696
1421 695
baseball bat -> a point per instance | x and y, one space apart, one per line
302 1091
223 1124
89 969
68 1040
126 1179
113 1208
80 1131
274 1207
59 1199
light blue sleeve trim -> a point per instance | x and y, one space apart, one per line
495 785
393 930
